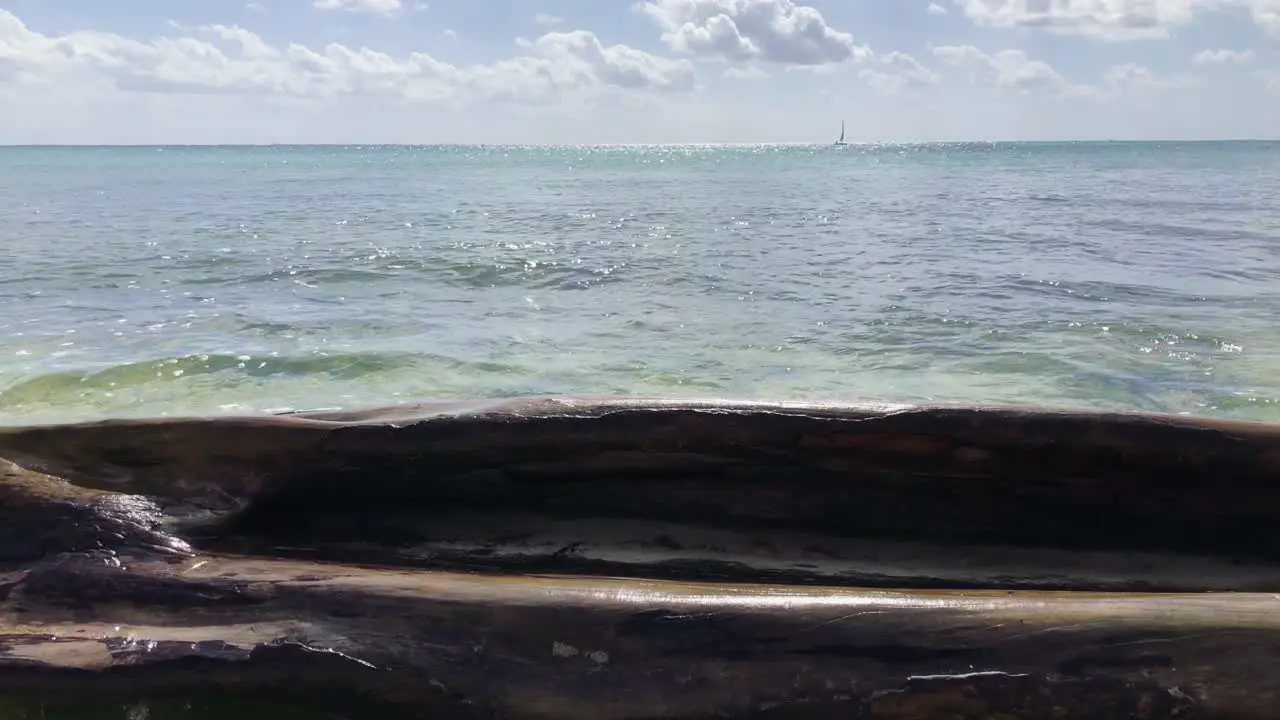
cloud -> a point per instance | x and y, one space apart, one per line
239 83
1115 20
774 31
1223 57
1129 74
936 9
232 61
615 66
1006 69
1103 19
386 8
547 20
1133 78
897 73
1270 79
750 72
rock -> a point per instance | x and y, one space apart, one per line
603 558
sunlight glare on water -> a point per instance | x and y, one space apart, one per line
208 280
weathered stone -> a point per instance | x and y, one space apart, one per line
549 558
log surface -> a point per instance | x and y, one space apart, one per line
632 558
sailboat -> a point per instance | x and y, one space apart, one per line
841 140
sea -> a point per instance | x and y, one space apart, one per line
184 280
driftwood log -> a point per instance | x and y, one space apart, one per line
609 559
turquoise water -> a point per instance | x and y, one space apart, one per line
185 280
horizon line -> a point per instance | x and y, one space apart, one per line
851 143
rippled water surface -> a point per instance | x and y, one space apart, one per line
150 281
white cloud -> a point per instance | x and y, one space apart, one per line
1266 13
1223 57
385 8
451 34
1113 19
1105 19
1130 75
224 83
936 9
1007 69
1270 79
776 31
897 73
1135 79
231 61
613 66
547 19
750 72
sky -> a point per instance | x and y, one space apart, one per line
635 71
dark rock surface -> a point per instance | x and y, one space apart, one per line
603 558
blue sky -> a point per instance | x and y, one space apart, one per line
563 71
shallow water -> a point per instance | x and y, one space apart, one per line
175 280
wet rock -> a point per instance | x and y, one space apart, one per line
579 557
